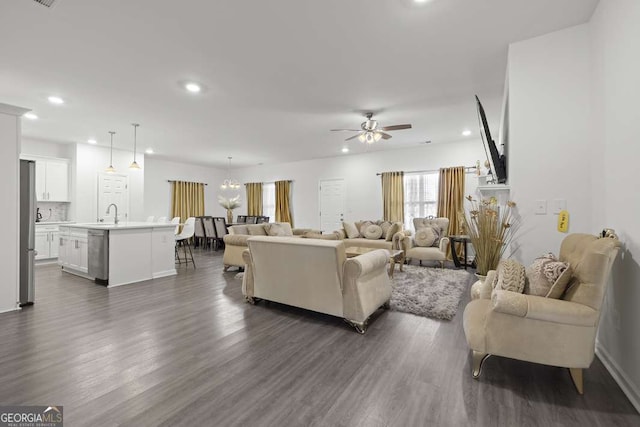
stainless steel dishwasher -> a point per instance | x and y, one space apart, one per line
99 255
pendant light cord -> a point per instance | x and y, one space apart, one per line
111 150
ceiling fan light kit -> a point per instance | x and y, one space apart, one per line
370 132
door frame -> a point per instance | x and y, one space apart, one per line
344 199
128 196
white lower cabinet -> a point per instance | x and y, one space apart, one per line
46 241
73 250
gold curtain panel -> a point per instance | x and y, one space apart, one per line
187 199
283 205
451 197
254 198
393 196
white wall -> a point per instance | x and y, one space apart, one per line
9 214
91 160
364 188
158 191
616 87
550 136
35 147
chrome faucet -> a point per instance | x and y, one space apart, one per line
115 219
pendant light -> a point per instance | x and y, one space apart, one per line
229 183
111 169
134 164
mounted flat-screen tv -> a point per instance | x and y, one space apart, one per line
497 161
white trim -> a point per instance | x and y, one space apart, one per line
17 308
165 273
13 110
629 388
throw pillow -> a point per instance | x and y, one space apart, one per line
510 276
256 230
395 227
363 226
547 277
351 230
426 236
279 229
385 225
238 229
373 232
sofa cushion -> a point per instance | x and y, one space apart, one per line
256 230
385 225
427 236
315 235
395 227
547 277
351 230
510 276
372 231
368 243
238 229
440 223
278 229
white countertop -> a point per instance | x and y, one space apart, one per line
124 225
54 222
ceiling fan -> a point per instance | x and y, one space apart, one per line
370 132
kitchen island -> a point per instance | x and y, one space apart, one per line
117 254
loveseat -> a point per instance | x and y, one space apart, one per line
316 275
236 241
542 329
429 242
372 234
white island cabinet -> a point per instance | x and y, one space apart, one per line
133 251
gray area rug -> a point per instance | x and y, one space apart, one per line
429 292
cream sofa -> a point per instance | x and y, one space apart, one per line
556 332
236 241
381 243
316 275
430 253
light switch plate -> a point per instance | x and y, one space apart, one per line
559 205
541 207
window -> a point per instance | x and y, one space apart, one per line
420 196
269 200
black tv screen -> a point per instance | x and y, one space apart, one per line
497 161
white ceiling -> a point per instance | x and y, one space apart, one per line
278 74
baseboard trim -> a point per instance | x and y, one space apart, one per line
18 308
628 388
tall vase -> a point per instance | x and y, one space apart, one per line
229 216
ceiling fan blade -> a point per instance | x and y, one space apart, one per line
396 127
353 137
348 130
385 135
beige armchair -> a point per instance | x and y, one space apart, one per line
556 332
434 253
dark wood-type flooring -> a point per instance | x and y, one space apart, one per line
187 350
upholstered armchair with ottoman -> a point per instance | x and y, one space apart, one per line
554 324
376 234
430 241
316 275
236 241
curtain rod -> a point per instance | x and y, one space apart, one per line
467 170
177 180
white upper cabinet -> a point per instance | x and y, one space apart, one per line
52 180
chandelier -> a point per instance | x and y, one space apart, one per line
229 183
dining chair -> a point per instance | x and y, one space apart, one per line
262 219
252 219
241 219
176 220
183 239
209 231
221 231
151 218
199 234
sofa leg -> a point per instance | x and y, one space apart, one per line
420 262
251 300
361 328
225 268
478 359
386 305
441 264
576 376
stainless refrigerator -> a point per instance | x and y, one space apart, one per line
27 230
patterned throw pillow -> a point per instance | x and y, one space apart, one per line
279 229
548 277
426 236
372 232
395 227
351 230
256 230
510 276
385 225
363 226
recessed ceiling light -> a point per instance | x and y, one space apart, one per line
31 116
345 150
149 151
466 132
56 100
193 87
420 1
92 141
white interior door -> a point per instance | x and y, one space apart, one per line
113 188
332 195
